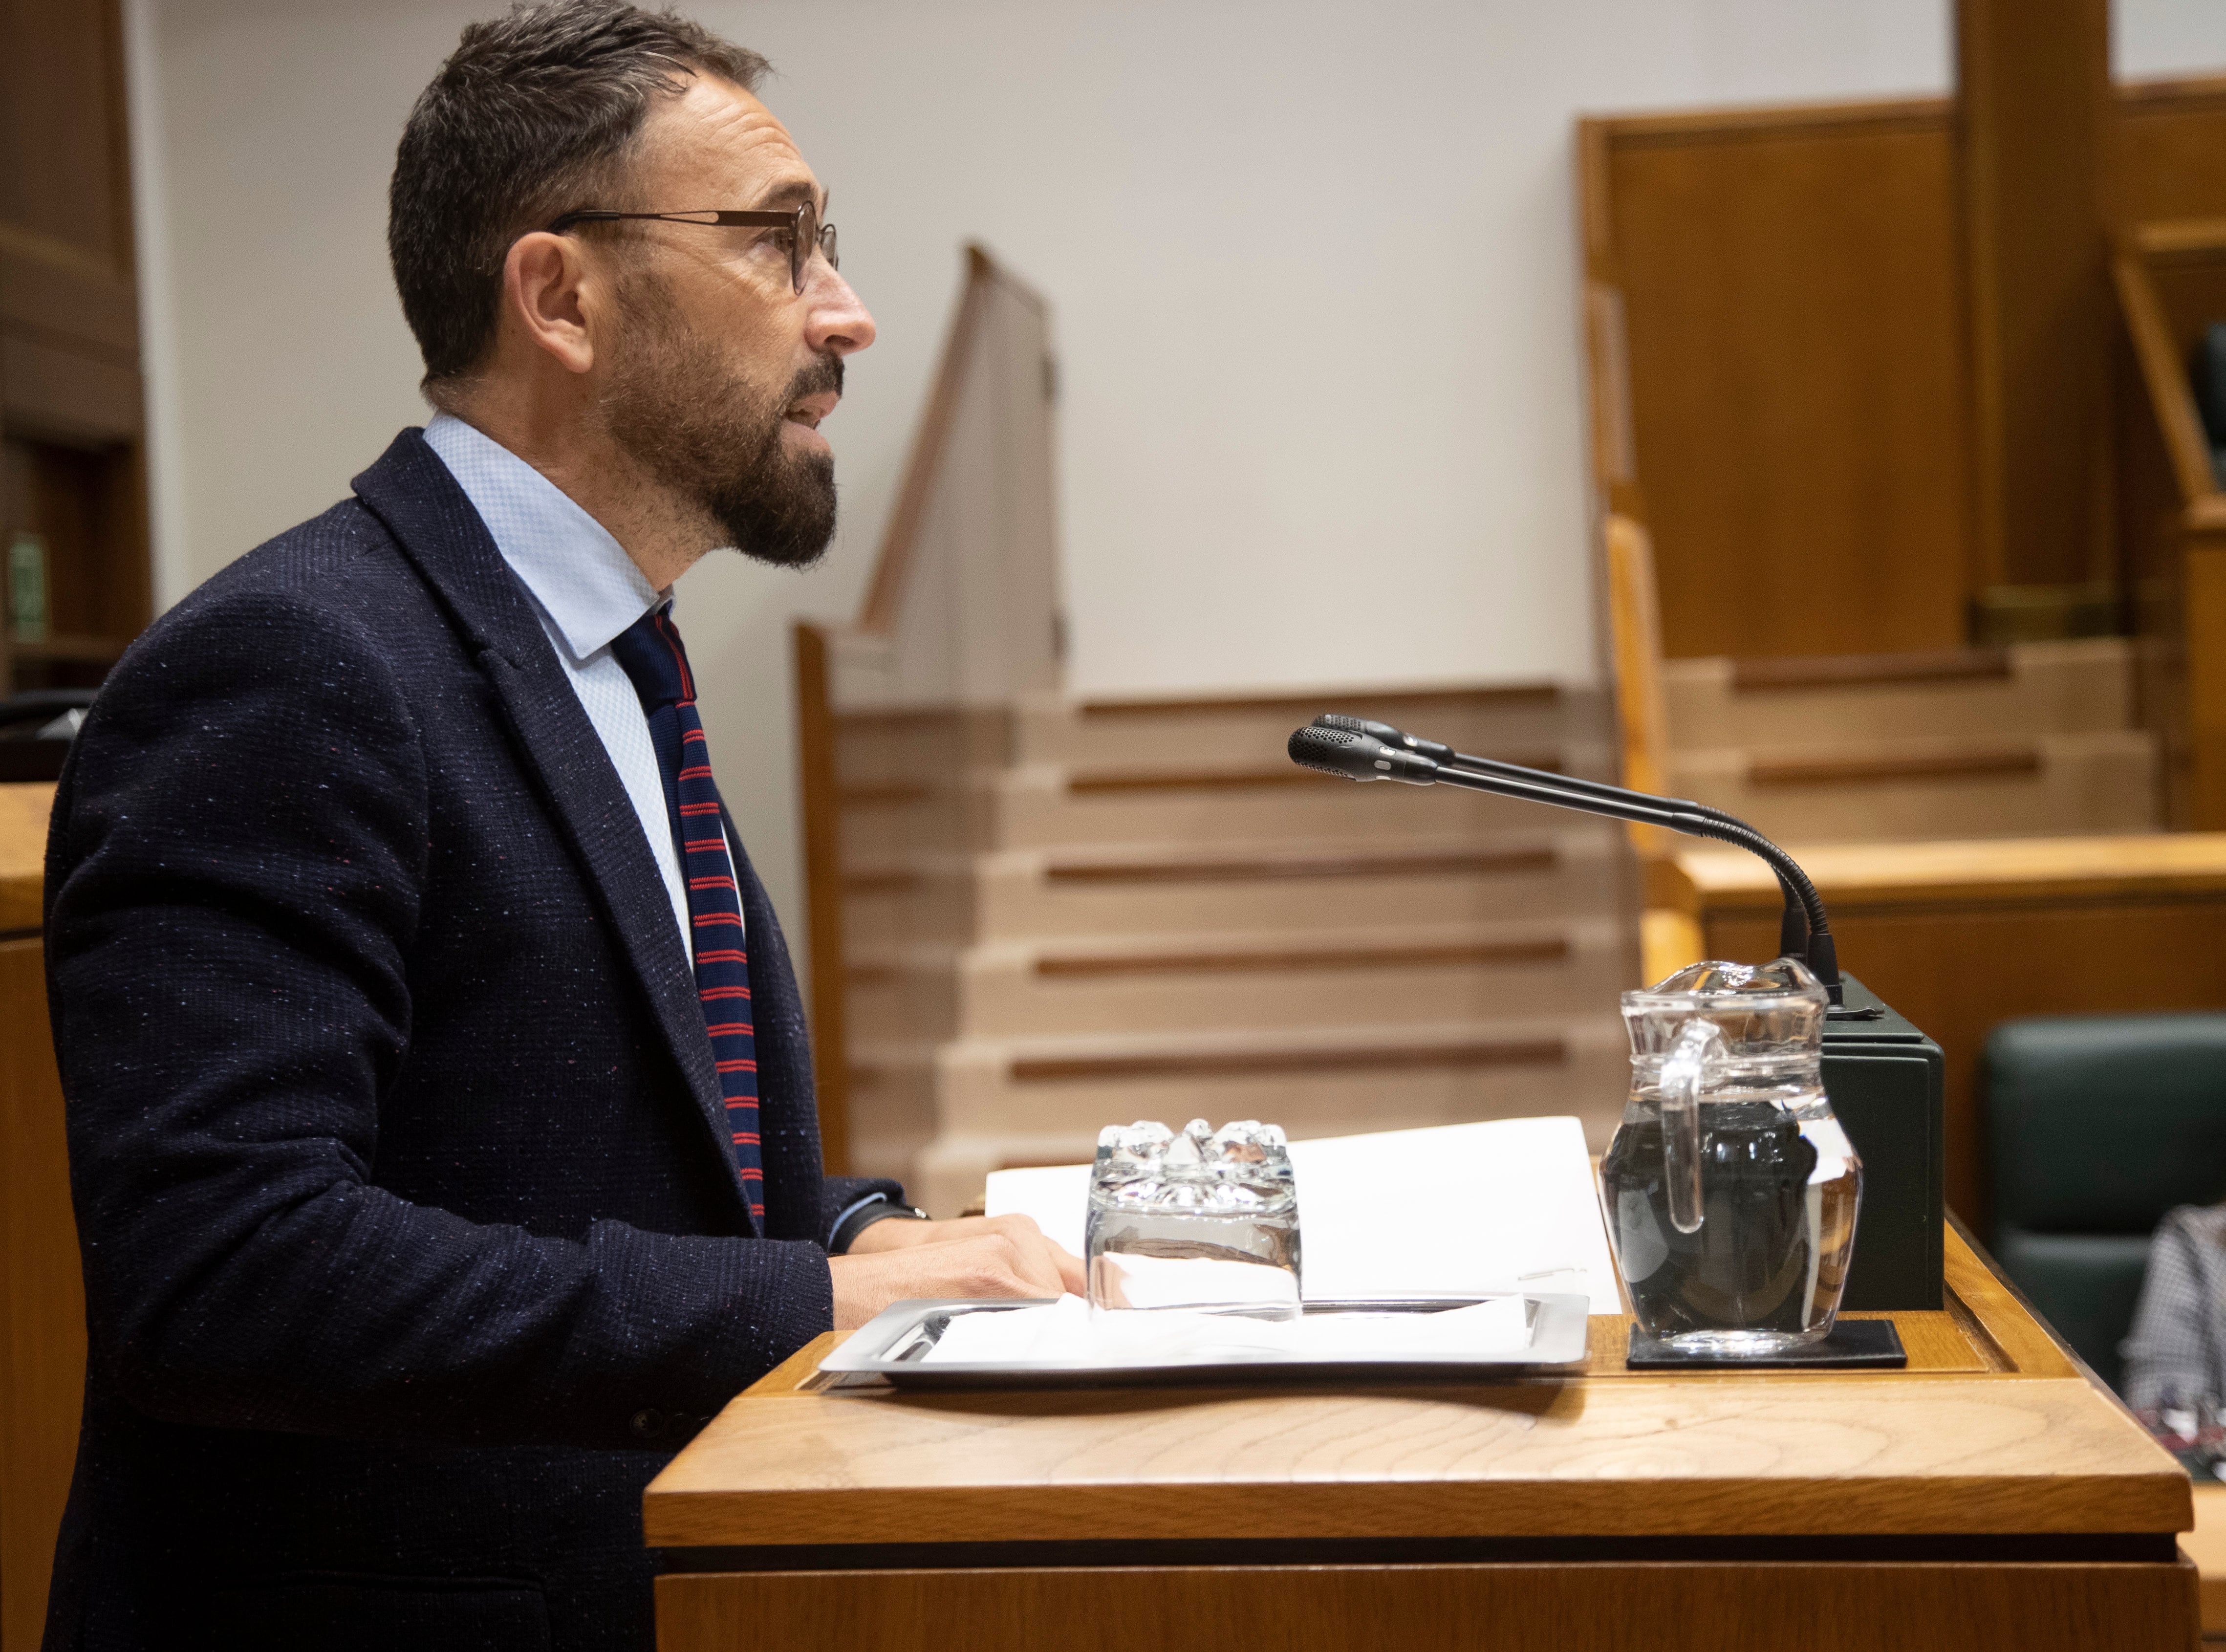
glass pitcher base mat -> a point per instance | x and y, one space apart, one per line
1854 1345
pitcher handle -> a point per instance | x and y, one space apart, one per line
1682 1073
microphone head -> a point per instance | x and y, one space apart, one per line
1391 736
1383 732
1357 756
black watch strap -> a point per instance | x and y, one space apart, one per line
846 1235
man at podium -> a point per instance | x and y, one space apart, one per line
440 1104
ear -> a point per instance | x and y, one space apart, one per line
549 292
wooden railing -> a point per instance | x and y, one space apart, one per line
2170 280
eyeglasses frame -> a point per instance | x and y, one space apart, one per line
801 245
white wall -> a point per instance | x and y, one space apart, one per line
2152 39
1311 267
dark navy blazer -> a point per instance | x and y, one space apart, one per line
412 1243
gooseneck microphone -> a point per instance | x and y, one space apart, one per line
1793 923
1349 747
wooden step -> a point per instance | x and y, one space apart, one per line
1870 670
1045 806
1256 886
1963 759
999 1102
931 746
1064 916
925 746
2019 692
1090 782
1222 980
1916 788
1145 734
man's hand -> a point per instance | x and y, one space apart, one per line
974 1256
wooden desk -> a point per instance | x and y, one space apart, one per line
2206 1546
1961 936
42 1300
1991 1496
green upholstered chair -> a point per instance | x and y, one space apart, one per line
2095 1126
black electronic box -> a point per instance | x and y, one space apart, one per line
1884 1078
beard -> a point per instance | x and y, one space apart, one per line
677 406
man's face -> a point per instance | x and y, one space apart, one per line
721 371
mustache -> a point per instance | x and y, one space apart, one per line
824 375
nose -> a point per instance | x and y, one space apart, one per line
837 323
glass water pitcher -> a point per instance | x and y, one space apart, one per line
1730 1188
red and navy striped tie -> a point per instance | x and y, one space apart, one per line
650 652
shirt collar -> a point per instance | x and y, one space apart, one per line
581 577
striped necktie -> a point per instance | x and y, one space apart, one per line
650 652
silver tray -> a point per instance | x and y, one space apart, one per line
891 1345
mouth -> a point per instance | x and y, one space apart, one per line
811 409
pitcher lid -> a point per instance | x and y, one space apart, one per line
1716 985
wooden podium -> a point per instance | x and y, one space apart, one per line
1993 1495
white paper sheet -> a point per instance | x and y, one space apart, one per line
1507 1205
1067 1333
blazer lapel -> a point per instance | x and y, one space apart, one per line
412 492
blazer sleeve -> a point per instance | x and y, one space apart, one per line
234 875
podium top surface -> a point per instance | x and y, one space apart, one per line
1992 1429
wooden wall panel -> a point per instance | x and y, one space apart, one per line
64 155
2034 144
2171 150
69 388
1775 317
1793 326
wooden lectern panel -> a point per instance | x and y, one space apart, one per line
1568 1607
2023 1444
41 1301
1990 1498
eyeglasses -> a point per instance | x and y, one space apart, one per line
805 230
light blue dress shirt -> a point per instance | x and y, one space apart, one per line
586 590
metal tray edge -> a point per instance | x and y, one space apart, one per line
1563 1320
